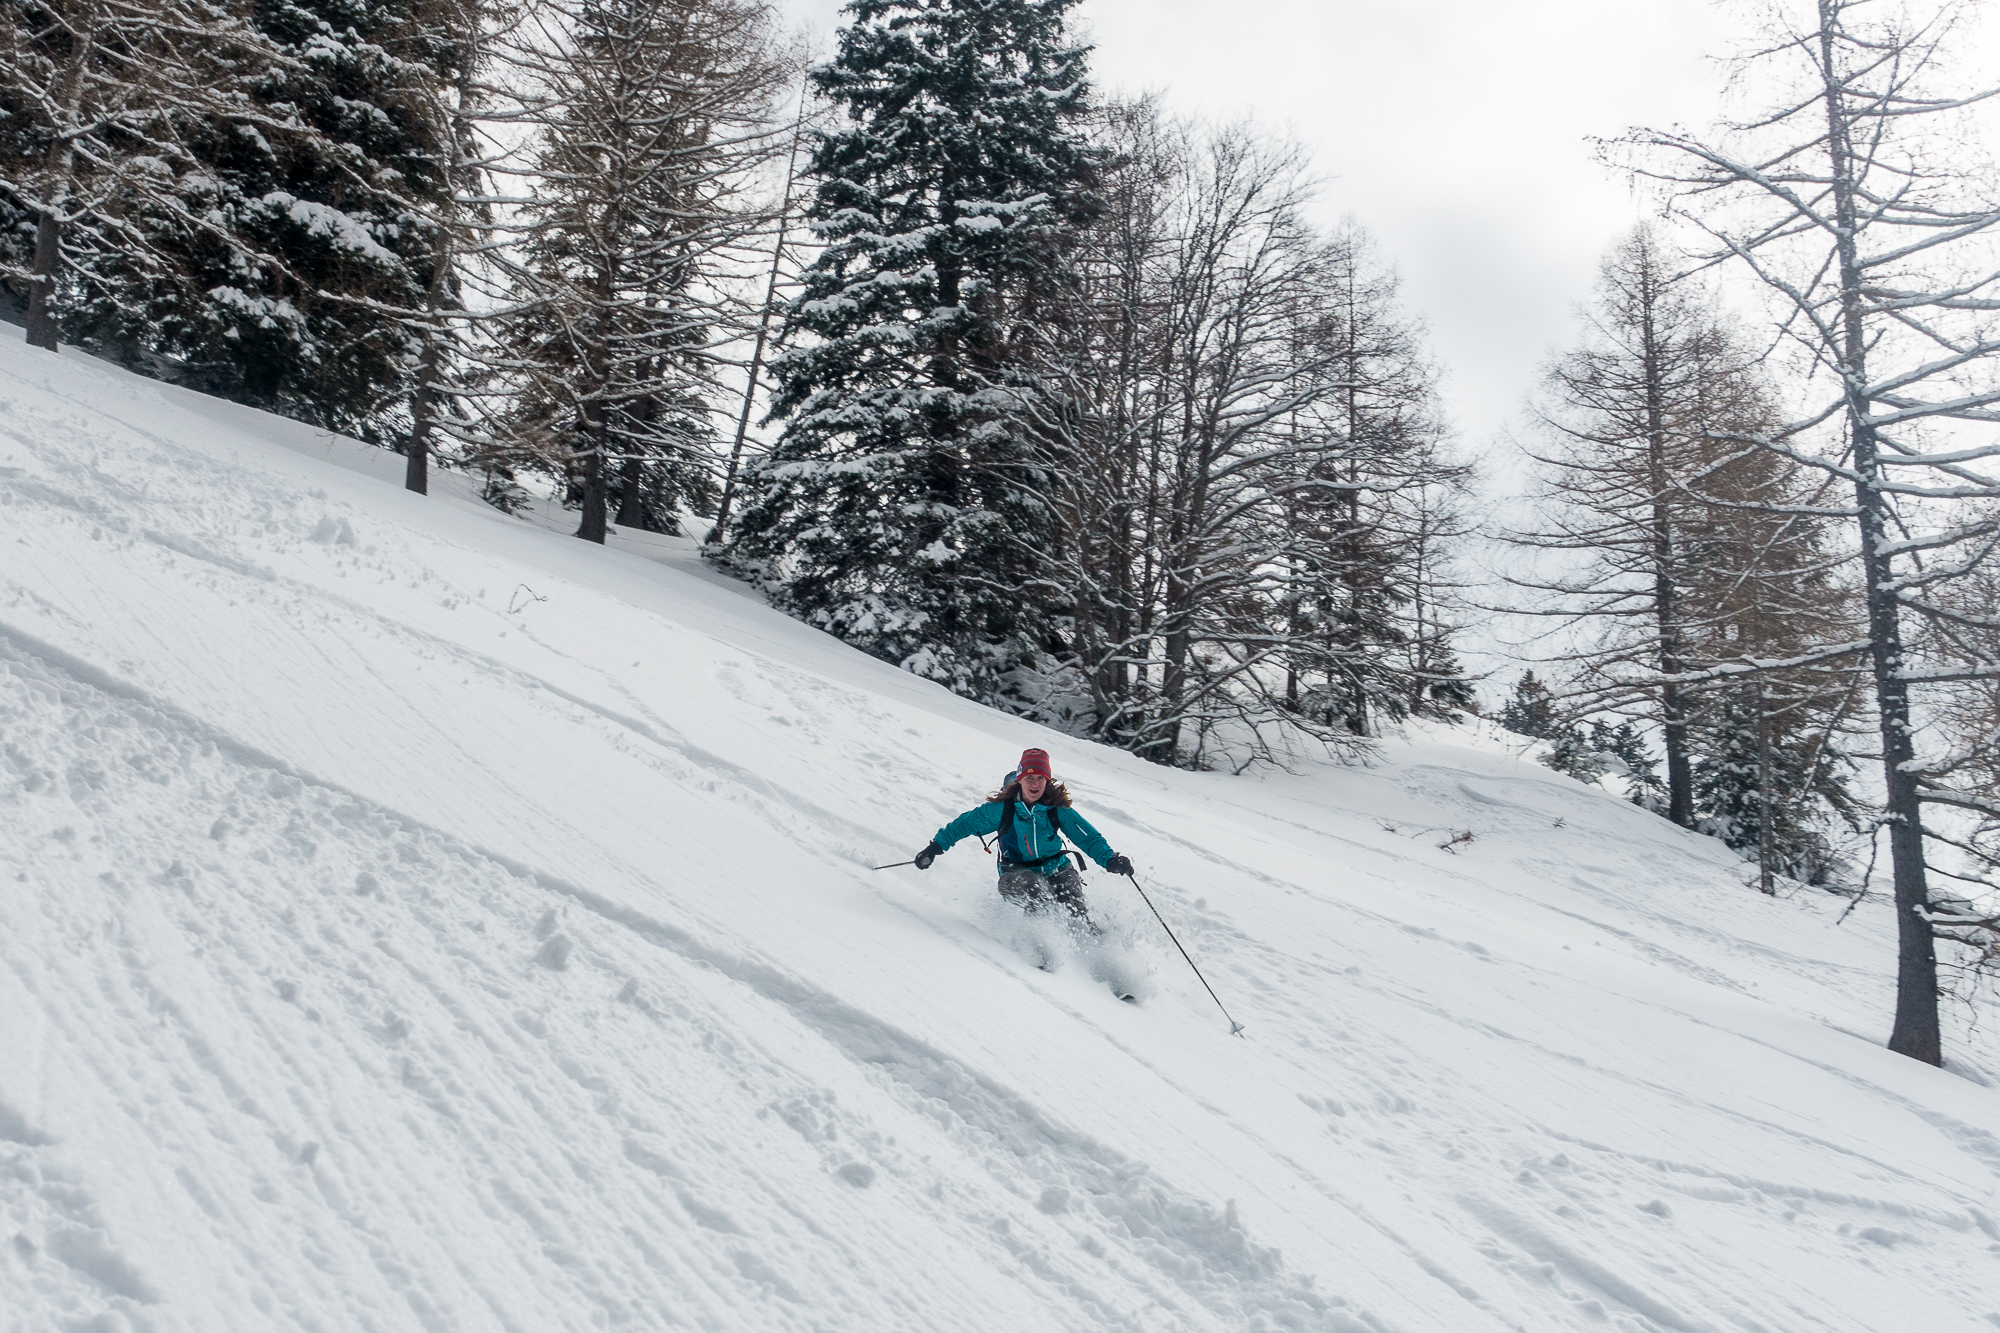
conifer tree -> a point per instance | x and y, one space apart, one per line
1762 779
648 118
898 508
1769 739
103 106
242 200
1531 710
345 206
1627 747
1627 420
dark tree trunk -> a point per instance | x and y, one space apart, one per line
430 366
631 507
423 414
720 531
593 527
42 281
1916 1032
1680 768
942 468
1666 580
416 467
1767 795
596 414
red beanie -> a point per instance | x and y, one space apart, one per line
1034 761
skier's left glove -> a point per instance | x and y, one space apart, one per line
930 853
1119 865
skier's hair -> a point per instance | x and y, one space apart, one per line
1054 794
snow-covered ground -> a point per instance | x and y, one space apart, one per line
413 918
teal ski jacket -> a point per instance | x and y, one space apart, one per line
1033 837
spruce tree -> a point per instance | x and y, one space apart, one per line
1531 710
1640 769
899 508
103 104
262 226
343 205
1762 782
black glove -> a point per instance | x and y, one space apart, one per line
930 853
1119 865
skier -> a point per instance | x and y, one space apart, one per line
1031 812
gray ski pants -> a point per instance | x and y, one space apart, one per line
1032 891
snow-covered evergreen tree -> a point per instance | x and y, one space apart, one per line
1622 749
103 106
1754 767
341 206
243 201
899 508
1534 710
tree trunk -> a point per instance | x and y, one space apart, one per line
42 281
57 180
596 388
942 469
592 527
720 531
1916 1032
631 508
423 412
1767 786
1177 602
1666 584
430 365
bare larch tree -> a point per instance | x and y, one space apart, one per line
1849 202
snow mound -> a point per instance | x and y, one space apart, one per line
413 918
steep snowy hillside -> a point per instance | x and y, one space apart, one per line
411 918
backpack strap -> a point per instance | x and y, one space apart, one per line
1007 827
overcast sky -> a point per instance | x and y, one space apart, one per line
1456 131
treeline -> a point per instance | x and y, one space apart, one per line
1076 411
1082 416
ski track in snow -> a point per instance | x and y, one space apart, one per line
411 918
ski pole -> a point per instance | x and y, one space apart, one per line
1235 1028
893 864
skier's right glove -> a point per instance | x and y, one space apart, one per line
1119 865
930 853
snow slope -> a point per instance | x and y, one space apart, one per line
412 918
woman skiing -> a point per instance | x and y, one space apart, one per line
1031 813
